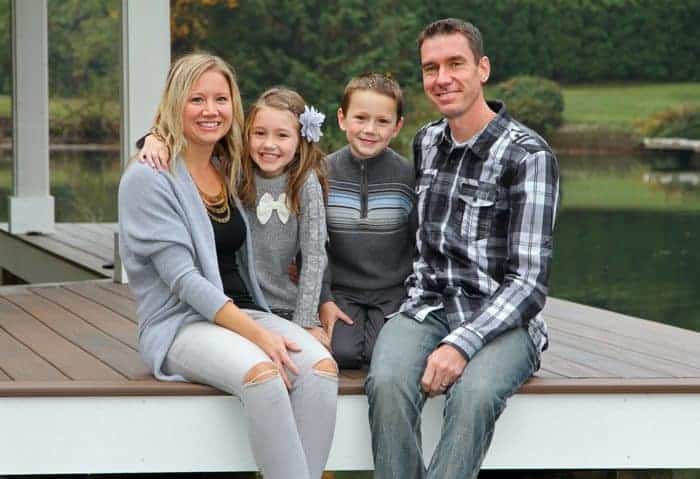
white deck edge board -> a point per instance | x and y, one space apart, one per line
183 434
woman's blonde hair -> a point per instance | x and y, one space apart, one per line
307 158
168 121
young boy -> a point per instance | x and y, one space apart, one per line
371 220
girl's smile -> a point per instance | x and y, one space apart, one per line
274 138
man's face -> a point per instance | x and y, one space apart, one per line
452 77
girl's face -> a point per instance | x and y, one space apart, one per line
274 138
208 110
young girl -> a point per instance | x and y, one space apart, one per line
283 183
186 246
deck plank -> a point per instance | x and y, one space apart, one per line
645 345
564 367
69 234
105 348
624 326
66 252
611 365
116 288
72 361
97 315
19 363
653 360
117 303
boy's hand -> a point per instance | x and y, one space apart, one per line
329 313
321 335
154 153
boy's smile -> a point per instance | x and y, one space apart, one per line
370 123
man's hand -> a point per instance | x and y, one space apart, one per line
328 314
445 365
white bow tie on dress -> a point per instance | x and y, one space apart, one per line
268 204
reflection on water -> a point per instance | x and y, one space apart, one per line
621 243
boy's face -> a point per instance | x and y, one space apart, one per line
370 123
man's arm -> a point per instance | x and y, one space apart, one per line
534 195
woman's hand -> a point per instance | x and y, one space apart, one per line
328 314
321 335
154 153
276 347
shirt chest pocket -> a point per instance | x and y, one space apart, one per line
477 202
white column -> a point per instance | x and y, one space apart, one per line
31 206
145 63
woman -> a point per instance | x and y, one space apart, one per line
202 317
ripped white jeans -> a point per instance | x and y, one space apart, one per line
290 432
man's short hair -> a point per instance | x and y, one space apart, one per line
448 26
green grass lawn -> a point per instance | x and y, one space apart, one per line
622 104
628 192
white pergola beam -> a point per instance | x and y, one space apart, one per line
145 63
31 206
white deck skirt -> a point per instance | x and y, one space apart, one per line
207 433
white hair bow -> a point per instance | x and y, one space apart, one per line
268 204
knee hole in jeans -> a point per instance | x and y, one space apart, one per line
260 373
326 367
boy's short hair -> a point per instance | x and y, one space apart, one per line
448 26
376 82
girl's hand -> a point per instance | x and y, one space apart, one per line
328 314
154 153
276 346
321 335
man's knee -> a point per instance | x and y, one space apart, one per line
326 367
479 397
261 373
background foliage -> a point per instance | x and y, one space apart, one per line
316 46
535 101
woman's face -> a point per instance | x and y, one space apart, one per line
208 110
274 138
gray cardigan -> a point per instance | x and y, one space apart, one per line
167 246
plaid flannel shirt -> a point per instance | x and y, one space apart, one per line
486 212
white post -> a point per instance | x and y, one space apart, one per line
31 206
145 63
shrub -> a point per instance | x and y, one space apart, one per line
672 123
87 120
537 102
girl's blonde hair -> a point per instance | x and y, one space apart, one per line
307 158
168 121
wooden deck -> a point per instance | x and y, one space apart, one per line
614 392
74 252
80 339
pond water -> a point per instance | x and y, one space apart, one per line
621 243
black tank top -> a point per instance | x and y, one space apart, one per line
229 238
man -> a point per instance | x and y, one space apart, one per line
487 191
